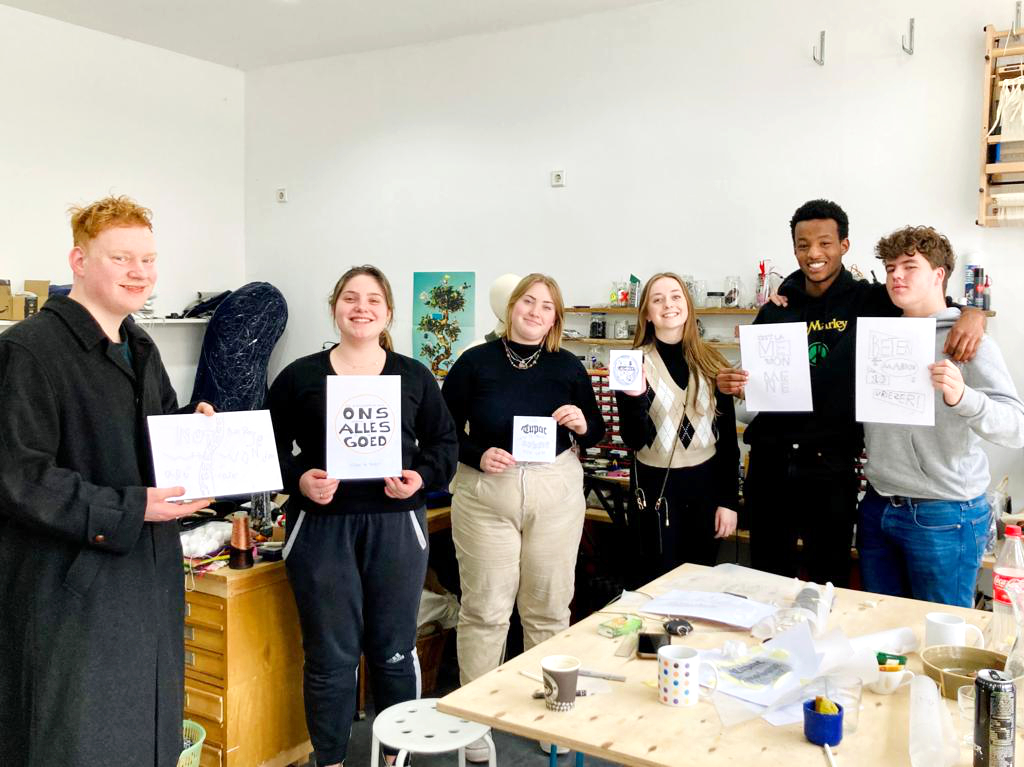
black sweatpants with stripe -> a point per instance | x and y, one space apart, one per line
357 580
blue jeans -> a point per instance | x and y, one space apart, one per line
923 549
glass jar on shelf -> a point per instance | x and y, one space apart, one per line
731 299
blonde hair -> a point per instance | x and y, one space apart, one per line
385 286
701 357
553 340
111 212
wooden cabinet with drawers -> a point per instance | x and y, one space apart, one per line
243 668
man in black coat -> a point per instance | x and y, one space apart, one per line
91 590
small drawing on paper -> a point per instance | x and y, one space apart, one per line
891 365
890 357
626 370
776 381
908 400
774 349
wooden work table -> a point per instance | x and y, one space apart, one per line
629 725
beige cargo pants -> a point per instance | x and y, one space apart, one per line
516 537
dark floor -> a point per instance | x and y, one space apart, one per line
512 751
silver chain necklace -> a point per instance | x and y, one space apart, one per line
519 362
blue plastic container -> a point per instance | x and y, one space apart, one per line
822 728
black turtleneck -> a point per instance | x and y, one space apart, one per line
638 430
485 391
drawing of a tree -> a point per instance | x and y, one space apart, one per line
445 300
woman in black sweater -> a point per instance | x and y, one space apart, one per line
517 526
356 553
685 475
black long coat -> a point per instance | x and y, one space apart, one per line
91 596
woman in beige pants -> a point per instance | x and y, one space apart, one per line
517 526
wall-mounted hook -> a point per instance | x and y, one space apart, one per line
903 41
818 54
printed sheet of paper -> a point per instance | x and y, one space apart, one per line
625 369
218 455
776 358
364 427
893 381
533 438
709 605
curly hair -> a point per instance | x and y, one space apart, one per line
89 221
932 245
813 210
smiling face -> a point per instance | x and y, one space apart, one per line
361 311
819 252
667 309
914 285
533 315
115 271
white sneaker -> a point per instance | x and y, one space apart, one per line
478 751
546 748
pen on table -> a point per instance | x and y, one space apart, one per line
828 754
602 675
531 675
538 694
734 595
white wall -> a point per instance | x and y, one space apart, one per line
689 131
86 114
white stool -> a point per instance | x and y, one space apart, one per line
417 727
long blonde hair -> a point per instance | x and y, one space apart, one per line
553 340
701 357
385 287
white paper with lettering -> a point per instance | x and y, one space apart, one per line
775 356
364 427
894 384
625 369
712 606
533 438
210 456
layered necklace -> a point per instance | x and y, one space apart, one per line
518 361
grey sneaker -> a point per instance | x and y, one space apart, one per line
478 751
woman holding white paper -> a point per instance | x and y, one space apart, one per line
686 470
356 552
516 525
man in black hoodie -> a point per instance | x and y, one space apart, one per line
802 482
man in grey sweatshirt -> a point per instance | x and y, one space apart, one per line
924 519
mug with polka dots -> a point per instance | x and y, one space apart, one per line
679 670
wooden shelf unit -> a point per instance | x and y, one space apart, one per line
632 310
990 182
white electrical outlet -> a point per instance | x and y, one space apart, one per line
281 194
558 178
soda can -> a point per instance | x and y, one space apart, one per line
995 711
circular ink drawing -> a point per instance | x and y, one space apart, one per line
626 370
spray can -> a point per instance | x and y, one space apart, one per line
986 294
995 710
969 283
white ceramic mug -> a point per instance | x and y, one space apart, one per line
889 682
949 629
679 675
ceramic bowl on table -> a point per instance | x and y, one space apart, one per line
953 666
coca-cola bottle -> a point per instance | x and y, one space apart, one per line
1009 568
